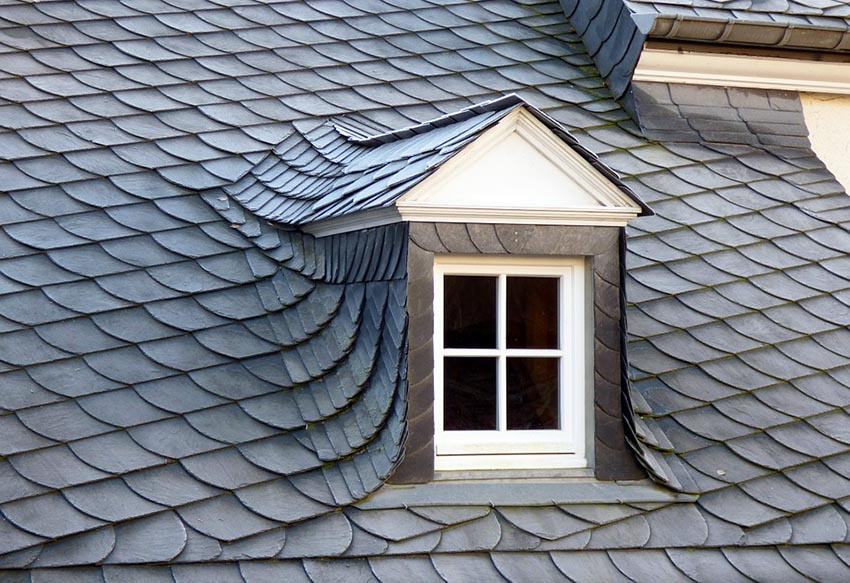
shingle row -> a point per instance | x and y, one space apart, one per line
821 563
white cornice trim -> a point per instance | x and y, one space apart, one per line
353 222
606 217
726 70
609 216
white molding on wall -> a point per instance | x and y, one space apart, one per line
695 68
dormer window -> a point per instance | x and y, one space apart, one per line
511 220
509 376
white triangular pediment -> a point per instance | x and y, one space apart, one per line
518 171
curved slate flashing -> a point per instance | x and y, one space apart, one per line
260 378
612 459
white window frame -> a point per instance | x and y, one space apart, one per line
517 449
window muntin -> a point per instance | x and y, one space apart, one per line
509 362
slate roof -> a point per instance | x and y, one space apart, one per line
183 390
331 171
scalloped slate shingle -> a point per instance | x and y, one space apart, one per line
182 383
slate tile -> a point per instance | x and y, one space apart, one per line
324 537
776 363
258 571
177 394
20 391
457 568
26 348
705 565
587 566
80 550
815 563
766 451
157 538
18 438
761 564
64 421
136 574
49 515
109 500
546 523
169 485
281 454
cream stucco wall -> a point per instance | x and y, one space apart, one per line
828 119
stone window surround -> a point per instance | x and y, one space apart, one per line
608 453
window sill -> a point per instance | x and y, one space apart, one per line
503 490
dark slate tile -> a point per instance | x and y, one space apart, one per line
205 516
137 574
64 421
393 525
587 566
819 564
157 538
180 353
177 394
114 453
281 454
169 485
477 535
456 568
55 467
18 438
121 408
83 549
27 348
110 500
762 564
259 571
705 565
49 515
323 537
781 493
279 500
420 569
133 325
225 469
128 365
172 438
764 450
646 565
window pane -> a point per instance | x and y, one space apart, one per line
469 394
469 309
532 312
532 393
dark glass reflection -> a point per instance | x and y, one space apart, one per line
532 393
469 308
469 394
532 312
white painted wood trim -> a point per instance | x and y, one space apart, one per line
726 70
609 217
353 222
503 449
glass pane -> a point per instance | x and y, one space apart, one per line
532 393
469 308
532 312
469 394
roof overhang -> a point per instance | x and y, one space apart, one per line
824 36
696 66
519 172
